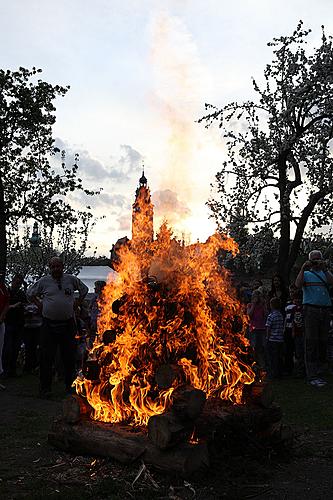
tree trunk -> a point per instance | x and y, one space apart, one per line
3 238
307 211
284 241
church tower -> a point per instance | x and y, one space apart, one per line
142 214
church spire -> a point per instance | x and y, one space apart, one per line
143 212
143 180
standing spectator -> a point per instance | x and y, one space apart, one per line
14 324
4 303
31 336
279 290
94 305
315 279
298 333
56 292
257 312
289 343
274 329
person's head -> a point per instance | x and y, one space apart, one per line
262 290
276 281
99 285
316 259
292 289
256 296
256 284
275 304
56 267
297 297
17 281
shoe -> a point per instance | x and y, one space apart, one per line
317 383
321 381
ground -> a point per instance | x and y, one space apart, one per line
30 468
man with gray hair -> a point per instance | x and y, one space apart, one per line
315 280
55 293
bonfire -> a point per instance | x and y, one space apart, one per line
171 319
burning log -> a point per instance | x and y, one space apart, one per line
187 402
126 446
261 393
91 369
74 407
166 374
109 336
165 431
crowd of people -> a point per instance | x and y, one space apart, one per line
291 328
52 321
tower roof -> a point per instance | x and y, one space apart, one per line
143 180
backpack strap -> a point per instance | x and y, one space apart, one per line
321 279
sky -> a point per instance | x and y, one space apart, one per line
140 73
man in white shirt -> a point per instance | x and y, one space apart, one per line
55 292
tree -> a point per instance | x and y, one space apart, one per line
279 165
30 187
29 253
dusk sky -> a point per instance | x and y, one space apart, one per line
140 72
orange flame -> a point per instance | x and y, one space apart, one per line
173 304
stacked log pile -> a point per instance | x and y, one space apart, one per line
180 440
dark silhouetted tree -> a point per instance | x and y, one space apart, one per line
279 165
30 187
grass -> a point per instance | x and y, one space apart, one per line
304 405
29 469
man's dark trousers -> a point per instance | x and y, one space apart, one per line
54 334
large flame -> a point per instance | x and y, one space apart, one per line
172 305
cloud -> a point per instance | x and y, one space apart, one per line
167 205
103 200
124 222
129 162
91 167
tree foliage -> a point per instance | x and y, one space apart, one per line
279 164
31 259
30 186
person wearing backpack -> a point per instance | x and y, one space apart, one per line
315 280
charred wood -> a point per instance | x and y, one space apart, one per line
219 419
166 430
125 445
75 407
91 369
187 402
260 393
166 374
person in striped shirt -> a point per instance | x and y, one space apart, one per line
275 337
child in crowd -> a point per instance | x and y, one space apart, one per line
298 333
274 333
289 343
257 312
